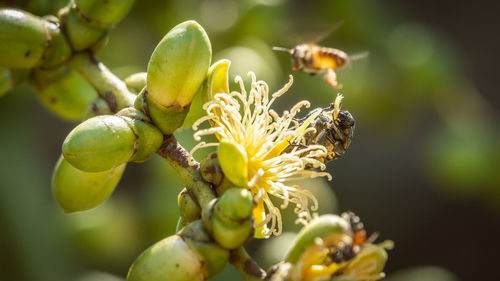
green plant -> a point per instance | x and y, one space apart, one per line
226 201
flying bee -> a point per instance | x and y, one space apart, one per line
315 59
333 129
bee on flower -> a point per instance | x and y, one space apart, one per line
310 256
252 142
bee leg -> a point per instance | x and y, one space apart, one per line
339 133
331 78
338 149
335 148
300 120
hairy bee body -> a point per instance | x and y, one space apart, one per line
315 59
333 129
348 251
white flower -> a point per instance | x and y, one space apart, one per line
264 137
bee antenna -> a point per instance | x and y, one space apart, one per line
281 49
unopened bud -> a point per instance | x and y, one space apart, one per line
217 81
59 50
232 222
63 92
76 190
188 255
176 70
189 210
234 162
148 137
136 82
24 39
80 34
6 83
97 107
103 142
211 170
103 14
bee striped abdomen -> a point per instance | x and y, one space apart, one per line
329 58
315 59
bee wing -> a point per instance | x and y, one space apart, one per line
359 56
321 37
356 57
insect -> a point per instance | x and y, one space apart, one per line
333 128
315 59
347 251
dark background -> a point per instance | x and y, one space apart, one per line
422 170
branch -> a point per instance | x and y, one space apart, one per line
177 156
107 85
246 265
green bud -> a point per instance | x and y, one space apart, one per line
99 143
63 92
11 77
80 34
170 259
76 190
103 142
186 256
329 228
166 120
195 112
6 83
24 39
148 137
189 210
98 107
59 50
217 81
136 82
176 70
211 170
234 162
103 14
232 221
214 255
140 102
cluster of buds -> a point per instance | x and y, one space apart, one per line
39 49
228 196
103 143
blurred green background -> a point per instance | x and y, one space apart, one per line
422 170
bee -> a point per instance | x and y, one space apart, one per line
348 251
315 59
333 128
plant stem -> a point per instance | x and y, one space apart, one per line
246 265
108 86
177 156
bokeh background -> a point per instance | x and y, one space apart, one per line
423 168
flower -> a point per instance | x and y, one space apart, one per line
325 250
262 137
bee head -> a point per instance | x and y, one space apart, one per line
299 50
345 119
